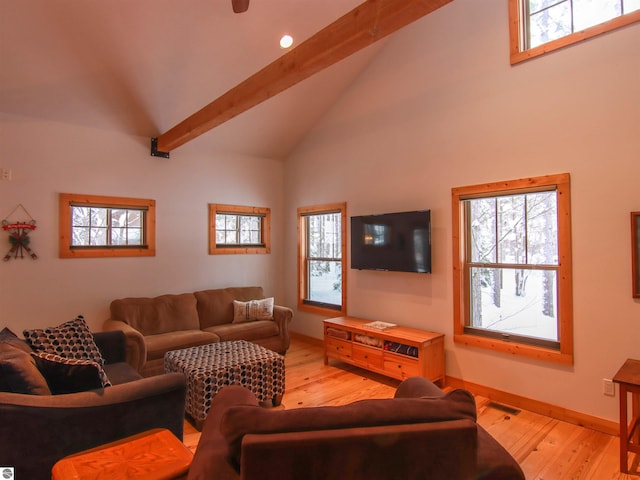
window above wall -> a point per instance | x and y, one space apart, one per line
541 26
99 226
235 229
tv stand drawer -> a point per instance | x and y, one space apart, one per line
400 368
338 348
367 356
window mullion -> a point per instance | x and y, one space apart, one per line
571 16
90 223
237 229
497 229
526 230
109 228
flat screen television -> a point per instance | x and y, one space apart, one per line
399 242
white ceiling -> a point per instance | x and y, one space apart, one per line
142 66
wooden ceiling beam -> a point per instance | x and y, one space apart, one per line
361 27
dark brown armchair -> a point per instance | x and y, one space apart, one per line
38 430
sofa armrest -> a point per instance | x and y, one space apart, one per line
282 316
493 460
210 459
136 346
112 345
416 387
38 430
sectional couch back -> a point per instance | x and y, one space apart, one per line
420 433
155 325
215 307
163 314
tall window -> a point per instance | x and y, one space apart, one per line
321 259
513 267
540 26
237 229
98 226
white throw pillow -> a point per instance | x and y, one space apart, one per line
253 310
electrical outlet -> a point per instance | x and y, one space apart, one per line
608 387
5 174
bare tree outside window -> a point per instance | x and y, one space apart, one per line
321 259
325 258
97 226
103 227
236 229
514 257
512 267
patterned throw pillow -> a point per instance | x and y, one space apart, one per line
68 375
253 310
72 339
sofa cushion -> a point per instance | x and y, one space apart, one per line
257 330
215 307
69 375
9 338
151 316
158 345
241 420
121 372
252 310
72 339
19 373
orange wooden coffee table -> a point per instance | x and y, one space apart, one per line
153 455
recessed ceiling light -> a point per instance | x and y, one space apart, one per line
286 41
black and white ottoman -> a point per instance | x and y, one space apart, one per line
208 368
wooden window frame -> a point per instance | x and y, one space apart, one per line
635 253
519 53
561 182
265 213
67 250
303 212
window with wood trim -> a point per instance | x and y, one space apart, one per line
322 259
541 26
512 267
235 229
98 226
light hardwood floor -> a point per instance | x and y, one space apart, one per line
547 449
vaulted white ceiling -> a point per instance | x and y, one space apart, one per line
142 66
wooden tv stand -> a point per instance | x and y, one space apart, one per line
397 352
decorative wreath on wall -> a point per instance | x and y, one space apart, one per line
19 235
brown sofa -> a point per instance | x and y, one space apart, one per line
38 430
154 326
422 433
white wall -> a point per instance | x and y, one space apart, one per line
47 158
441 107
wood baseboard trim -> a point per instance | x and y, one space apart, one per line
317 342
559 413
